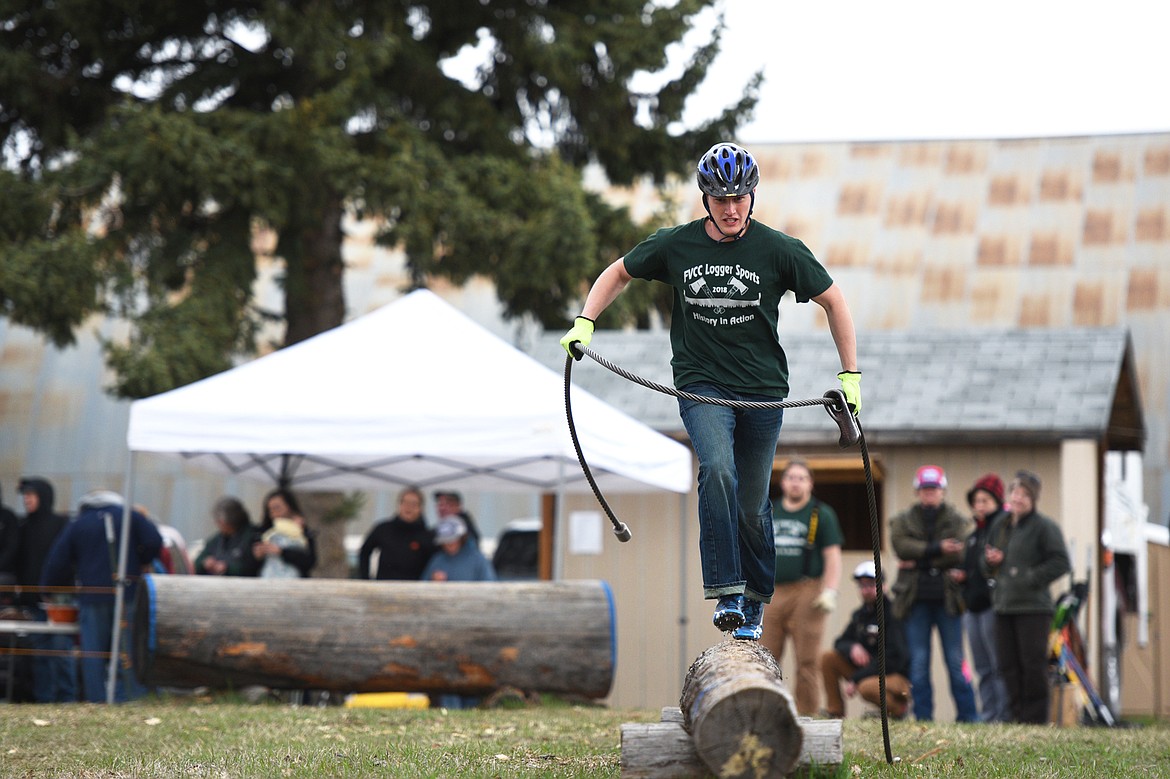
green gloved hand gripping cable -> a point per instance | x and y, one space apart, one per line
582 333
851 386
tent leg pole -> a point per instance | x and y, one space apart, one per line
120 583
558 571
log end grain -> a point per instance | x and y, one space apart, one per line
740 717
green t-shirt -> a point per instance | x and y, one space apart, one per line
790 529
723 327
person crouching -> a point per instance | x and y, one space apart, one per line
854 656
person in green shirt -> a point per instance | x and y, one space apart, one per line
728 273
808 572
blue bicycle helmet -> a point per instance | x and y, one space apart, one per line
727 170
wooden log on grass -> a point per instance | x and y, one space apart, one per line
664 750
363 636
741 719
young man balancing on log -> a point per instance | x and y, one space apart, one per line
728 273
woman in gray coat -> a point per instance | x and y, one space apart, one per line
1025 553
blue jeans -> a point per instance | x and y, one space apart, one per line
924 616
54 677
980 629
449 700
735 448
95 628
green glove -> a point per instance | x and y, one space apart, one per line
582 333
851 386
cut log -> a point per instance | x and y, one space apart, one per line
362 636
664 750
740 717
659 750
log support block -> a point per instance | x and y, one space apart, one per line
736 719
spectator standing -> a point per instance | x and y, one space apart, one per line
54 675
9 549
1025 553
929 538
808 572
404 543
229 551
986 501
728 273
86 553
282 504
853 660
19 673
449 503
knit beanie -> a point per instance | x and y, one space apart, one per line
989 483
1029 482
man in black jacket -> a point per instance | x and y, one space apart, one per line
854 656
9 543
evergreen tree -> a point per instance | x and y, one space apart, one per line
146 145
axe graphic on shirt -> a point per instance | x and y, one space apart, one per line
736 284
699 285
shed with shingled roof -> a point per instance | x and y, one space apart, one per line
974 400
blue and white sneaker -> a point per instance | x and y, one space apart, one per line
729 612
753 622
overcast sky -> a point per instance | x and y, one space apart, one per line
853 70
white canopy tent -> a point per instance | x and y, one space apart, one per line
412 393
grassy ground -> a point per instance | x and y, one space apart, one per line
203 738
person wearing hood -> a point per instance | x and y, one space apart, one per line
86 554
9 543
9 593
1026 553
54 676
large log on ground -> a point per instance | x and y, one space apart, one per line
664 750
361 636
740 717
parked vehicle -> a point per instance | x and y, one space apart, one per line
517 553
